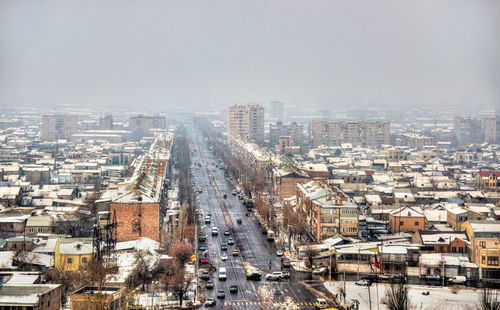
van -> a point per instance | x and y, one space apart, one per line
222 273
457 280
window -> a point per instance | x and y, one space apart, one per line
492 260
40 229
401 223
483 260
482 244
460 250
31 230
70 260
84 260
453 250
416 223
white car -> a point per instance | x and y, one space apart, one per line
224 257
279 253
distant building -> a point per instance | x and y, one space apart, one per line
292 129
362 133
485 246
140 125
89 297
59 126
246 121
489 180
467 130
285 142
106 122
72 254
33 296
491 130
276 109
406 219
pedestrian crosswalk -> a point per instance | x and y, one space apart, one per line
263 303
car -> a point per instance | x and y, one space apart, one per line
215 231
236 252
279 253
234 192
208 219
371 278
275 276
221 294
223 246
202 247
363 283
233 289
227 232
224 257
457 280
210 284
225 196
286 263
320 270
202 238
230 241
210 302
285 274
254 276
204 260
239 221
205 275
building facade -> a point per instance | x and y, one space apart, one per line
362 133
140 125
246 121
59 126
106 122
467 130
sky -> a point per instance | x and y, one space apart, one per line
209 54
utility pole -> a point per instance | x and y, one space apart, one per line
369 296
358 260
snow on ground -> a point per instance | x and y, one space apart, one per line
440 298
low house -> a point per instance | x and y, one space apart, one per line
441 242
457 216
90 297
406 219
20 243
71 254
40 224
34 296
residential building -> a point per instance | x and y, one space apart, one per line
19 244
72 254
246 121
37 175
362 133
106 122
455 217
441 241
33 296
276 109
485 246
488 180
285 181
141 125
292 129
56 127
467 130
84 176
90 297
327 210
396 154
285 143
467 157
406 219
40 224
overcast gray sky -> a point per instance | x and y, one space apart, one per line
201 53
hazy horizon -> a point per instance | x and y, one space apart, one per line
210 54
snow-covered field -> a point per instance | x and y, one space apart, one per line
440 298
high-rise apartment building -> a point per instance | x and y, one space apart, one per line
362 133
246 121
467 130
140 125
59 126
491 130
292 129
106 122
276 109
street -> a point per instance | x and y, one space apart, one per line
249 240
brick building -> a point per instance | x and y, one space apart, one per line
406 219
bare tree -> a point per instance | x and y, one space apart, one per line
396 296
143 271
181 251
489 299
310 252
179 283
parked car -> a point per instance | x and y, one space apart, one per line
457 280
286 263
320 270
275 276
210 302
210 284
363 283
204 260
202 247
285 274
205 275
371 278
233 289
279 253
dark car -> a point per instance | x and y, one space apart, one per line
227 232
371 277
230 241
225 196
254 276
210 302
233 289
286 263
239 221
210 284
223 247
205 275
202 238
221 294
202 247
